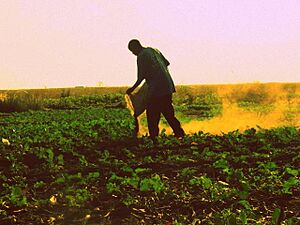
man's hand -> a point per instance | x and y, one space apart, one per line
129 91
137 83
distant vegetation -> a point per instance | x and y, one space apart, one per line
73 102
191 102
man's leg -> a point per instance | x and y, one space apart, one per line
137 126
153 116
168 112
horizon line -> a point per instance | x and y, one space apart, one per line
124 86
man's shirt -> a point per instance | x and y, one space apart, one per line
153 67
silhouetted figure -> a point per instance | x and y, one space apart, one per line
153 67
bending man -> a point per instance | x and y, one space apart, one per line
153 67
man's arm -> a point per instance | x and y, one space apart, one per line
141 71
137 83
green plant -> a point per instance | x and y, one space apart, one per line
276 216
226 217
154 183
204 181
76 197
187 172
287 185
17 197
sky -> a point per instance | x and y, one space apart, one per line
66 43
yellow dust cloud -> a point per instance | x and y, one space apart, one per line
236 118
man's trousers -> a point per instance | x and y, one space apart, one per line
162 105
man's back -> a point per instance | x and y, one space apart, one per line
152 66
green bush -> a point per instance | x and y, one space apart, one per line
183 96
291 92
206 104
255 99
257 95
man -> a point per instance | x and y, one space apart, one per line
153 67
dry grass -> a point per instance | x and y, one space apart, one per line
3 96
58 92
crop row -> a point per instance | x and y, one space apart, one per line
84 167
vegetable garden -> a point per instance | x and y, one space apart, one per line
84 166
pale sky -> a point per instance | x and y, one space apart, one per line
65 43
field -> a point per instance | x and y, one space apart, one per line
70 156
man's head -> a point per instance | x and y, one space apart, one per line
135 46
